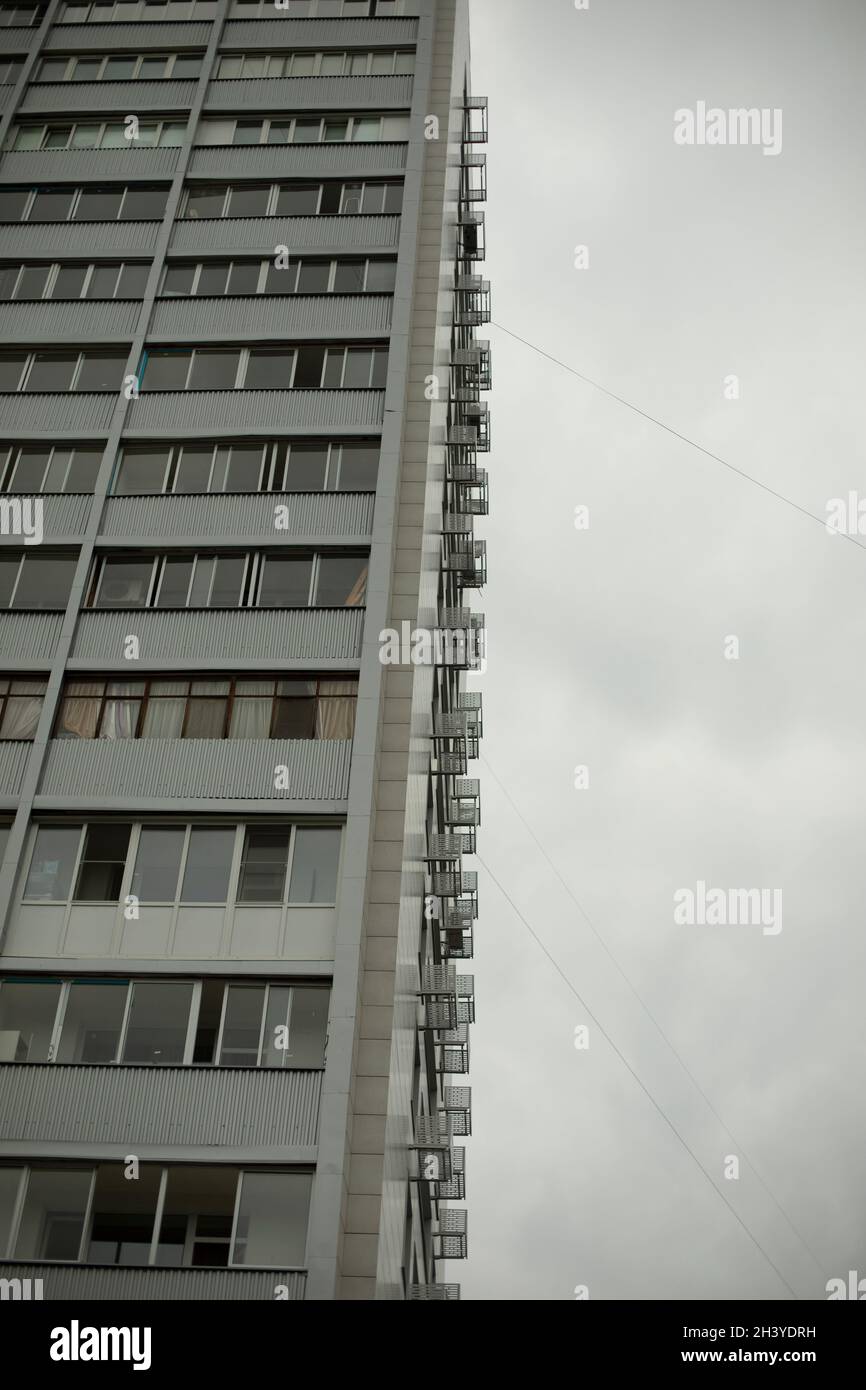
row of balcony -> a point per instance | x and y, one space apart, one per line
94 773
237 34
223 95
250 236
238 319
193 414
361 160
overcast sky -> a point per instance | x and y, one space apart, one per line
607 648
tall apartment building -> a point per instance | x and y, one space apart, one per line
240 427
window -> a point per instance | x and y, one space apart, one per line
321 64
158 1019
108 11
112 68
92 1021
10 69
213 709
94 1215
90 204
96 135
322 9
292 199
284 131
96 369
274 466
259 369
36 581
186 863
20 707
105 280
355 275
21 16
270 580
27 1012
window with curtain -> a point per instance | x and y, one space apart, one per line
20 707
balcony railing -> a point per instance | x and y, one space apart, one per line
240 1108
68 1283
70 320
13 761
244 319
28 640
200 518
283 32
366 159
99 38
72 98
72 166
56 240
187 414
259 235
379 93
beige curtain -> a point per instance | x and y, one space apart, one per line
335 709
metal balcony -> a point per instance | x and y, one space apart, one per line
462 457
469 564
457 1109
471 235
432 1151
473 499
471 703
261 317
434 1293
466 639
362 159
449 1242
457 941
61 240
473 301
450 746
109 98
464 807
240 35
70 1283
474 365
438 996
475 130
466 997
99 166
189 414
147 35
452 1051
473 176
444 849
454 1190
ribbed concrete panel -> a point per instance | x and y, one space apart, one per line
13 760
196 769
311 515
102 38
28 637
276 635
64 517
69 166
188 413
272 316
380 93
367 159
97 97
94 1283
241 1107
19 39
61 239
68 320
253 235
242 34
32 413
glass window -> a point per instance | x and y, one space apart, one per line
285 582
314 865
103 281
296 710
70 282
21 710
205 202
281 279
28 1009
206 709
53 69
124 583
308 372
276 1040
141 471
367 128
242 1026
121 709
92 1022
45 581
336 131
53 862
119 69
123 1214
13 204
359 467
272 1219
178 279
193 468
103 861
212 279
32 283
29 470
80 709
248 200
244 468
230 65
10 1181
314 277
174 582
197 1217
349 276
52 1222
308 467
298 199
101 371
12 366
244 277
214 371
133 279
308 1029
143 204
98 205
164 715
381 277
342 581
82 473
158 1019
165 370
157 864
269 369
252 709
247 133
52 371
208 864
263 868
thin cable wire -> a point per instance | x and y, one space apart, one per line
626 1063
662 1034
597 386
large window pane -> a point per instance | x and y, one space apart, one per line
263 870
100 873
157 863
158 1019
197 1217
285 582
124 583
52 371
124 1211
272 1219
242 1026
248 200
359 467
27 1013
166 370
308 1028
269 370
141 471
298 200
97 205
205 202
308 466
208 864
342 581
101 371
314 865
10 1181
276 1039
53 1218
45 581
214 371
92 1022
165 712
53 861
